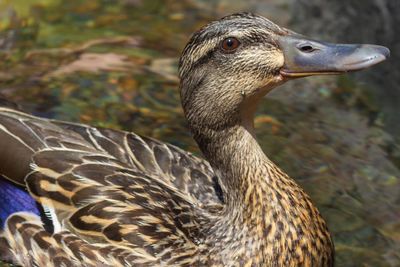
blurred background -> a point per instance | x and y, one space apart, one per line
114 64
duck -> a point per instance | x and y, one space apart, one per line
104 197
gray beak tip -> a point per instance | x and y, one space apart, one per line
363 57
385 52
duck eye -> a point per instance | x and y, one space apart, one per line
230 44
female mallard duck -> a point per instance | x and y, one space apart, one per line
113 198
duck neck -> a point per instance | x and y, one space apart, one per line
264 208
246 175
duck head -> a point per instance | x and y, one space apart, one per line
228 66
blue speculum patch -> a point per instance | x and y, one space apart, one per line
14 198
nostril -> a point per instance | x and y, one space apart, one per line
306 48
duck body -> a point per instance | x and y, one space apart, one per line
114 198
109 188
93 156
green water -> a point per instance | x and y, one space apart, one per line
113 64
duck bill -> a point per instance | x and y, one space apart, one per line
306 57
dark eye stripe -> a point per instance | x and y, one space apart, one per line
204 59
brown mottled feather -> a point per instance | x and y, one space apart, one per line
90 175
189 174
25 242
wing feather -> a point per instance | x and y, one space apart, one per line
106 187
